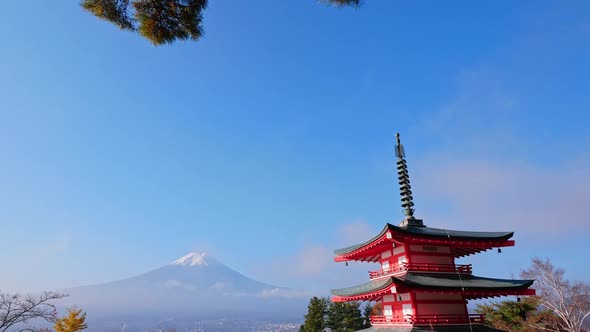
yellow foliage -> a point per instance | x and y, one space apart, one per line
74 321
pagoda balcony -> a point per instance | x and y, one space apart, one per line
428 319
422 267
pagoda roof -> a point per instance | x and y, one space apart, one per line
429 232
429 280
352 248
368 287
452 234
434 282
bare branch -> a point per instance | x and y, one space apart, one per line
18 309
568 301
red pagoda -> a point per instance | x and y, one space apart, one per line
419 286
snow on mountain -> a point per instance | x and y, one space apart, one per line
192 259
195 286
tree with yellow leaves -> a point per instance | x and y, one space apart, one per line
74 321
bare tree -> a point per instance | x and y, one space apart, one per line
17 309
570 301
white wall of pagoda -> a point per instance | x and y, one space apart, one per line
397 306
393 258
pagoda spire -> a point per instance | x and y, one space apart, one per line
405 189
419 286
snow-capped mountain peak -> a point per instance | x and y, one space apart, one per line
192 259
194 287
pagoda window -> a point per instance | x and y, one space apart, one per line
385 266
387 311
398 250
389 298
401 260
407 309
386 254
404 297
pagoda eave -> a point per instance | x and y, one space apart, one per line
371 253
467 294
471 287
464 243
458 243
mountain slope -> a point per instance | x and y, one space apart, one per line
193 287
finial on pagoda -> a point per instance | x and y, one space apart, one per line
405 190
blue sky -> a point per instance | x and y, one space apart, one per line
270 142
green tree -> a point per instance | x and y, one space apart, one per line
161 21
367 313
508 315
518 316
344 317
371 310
315 319
74 321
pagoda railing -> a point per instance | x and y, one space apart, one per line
387 271
383 320
422 267
428 319
431 267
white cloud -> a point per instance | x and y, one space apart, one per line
172 283
317 260
355 232
511 195
313 268
310 261
218 285
177 284
285 293
275 293
484 170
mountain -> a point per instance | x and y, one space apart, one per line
192 288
